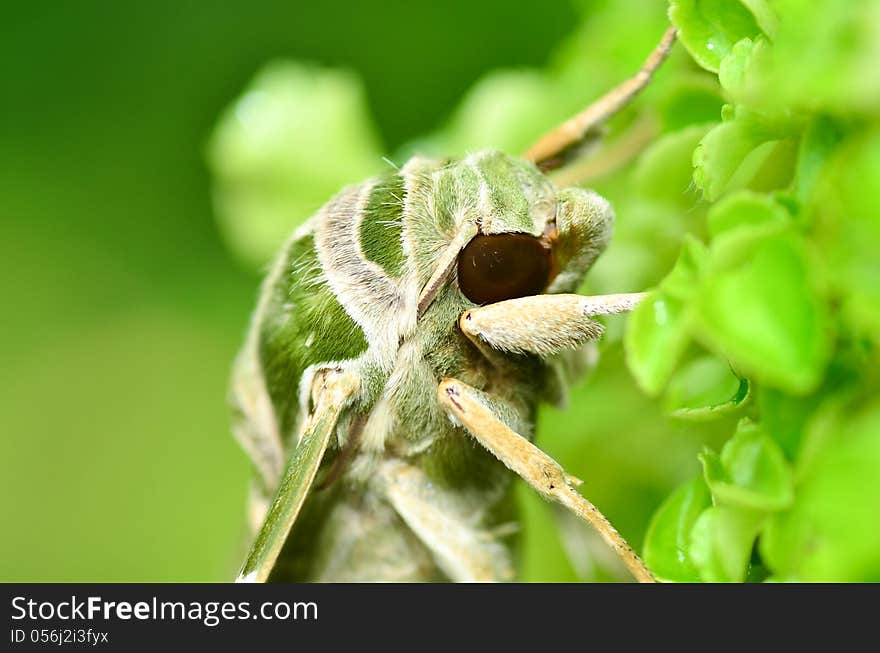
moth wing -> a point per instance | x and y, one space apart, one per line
254 423
332 391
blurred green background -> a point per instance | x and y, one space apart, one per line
152 158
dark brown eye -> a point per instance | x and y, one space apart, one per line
503 266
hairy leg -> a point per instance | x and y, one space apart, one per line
332 390
448 524
466 406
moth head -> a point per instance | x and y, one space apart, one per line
532 237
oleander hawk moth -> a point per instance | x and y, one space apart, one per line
401 343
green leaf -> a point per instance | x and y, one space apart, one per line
732 71
784 418
692 99
750 473
764 15
710 28
768 167
681 282
744 208
761 307
820 139
665 170
830 533
823 58
722 152
296 136
721 543
849 226
740 77
658 330
656 336
668 538
747 150
705 389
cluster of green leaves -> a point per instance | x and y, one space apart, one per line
782 285
744 180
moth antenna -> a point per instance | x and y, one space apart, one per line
547 152
583 169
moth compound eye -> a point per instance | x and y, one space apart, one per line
504 266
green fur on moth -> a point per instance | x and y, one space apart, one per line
381 225
346 291
518 199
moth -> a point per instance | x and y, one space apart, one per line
402 340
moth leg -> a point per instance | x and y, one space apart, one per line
545 475
447 523
546 152
541 324
332 391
